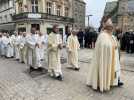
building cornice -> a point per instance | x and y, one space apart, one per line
12 22
81 1
6 9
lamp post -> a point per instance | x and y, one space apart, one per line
88 16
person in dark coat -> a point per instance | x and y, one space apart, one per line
124 41
128 38
131 49
93 38
87 38
80 37
133 43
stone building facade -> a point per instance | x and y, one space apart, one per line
6 12
122 13
78 14
42 14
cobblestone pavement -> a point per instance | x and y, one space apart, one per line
17 84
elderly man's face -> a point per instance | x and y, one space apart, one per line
56 30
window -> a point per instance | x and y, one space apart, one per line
66 11
34 6
0 19
49 8
58 10
6 18
37 26
10 3
20 7
76 17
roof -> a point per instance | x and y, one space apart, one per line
110 6
82 1
111 9
131 6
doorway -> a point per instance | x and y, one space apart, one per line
37 26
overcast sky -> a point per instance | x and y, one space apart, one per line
96 8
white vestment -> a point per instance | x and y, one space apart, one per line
39 50
42 45
17 51
72 47
31 51
45 47
10 49
4 44
54 54
13 42
0 45
23 49
102 72
117 63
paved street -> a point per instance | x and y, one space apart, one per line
17 84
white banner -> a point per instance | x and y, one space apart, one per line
34 15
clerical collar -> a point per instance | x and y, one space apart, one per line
55 32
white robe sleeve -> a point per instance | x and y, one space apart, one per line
69 43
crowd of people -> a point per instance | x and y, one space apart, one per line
30 49
87 38
127 42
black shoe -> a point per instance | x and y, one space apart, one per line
77 69
6 57
120 84
60 78
42 59
31 69
40 69
22 62
2 56
17 59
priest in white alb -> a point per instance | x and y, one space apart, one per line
72 49
103 69
39 50
23 48
54 48
17 45
4 44
32 45
10 49
42 45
